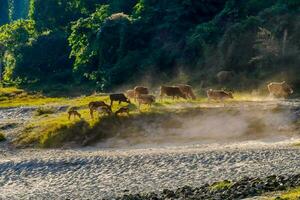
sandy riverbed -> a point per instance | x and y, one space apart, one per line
98 172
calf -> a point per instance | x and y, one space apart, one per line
122 110
172 91
188 91
118 97
94 105
104 110
281 89
74 113
146 99
218 95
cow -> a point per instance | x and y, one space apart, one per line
218 95
188 91
120 97
223 76
94 105
122 110
130 94
139 90
74 113
145 99
172 91
104 110
281 89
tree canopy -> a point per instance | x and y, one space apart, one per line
104 44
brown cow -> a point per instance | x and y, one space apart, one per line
139 90
104 110
171 91
129 94
122 110
218 95
281 89
94 105
74 113
145 99
188 91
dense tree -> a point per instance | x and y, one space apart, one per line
19 9
107 43
4 16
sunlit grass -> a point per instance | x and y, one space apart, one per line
241 96
52 128
221 185
292 194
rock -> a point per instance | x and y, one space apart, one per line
168 193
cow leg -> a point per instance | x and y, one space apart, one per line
91 113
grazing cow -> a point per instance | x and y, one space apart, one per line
171 91
104 110
223 76
118 97
188 91
94 105
122 110
129 94
281 89
145 99
139 90
74 113
73 108
218 95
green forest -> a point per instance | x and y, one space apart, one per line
101 45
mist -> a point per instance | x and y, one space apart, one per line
266 122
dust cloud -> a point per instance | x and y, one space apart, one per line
208 124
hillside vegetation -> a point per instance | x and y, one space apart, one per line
99 45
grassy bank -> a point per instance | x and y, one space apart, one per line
50 126
291 194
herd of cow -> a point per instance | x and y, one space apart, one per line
141 95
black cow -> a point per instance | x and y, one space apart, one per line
118 97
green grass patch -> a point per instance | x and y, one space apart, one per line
223 185
292 194
52 128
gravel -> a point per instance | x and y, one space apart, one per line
96 174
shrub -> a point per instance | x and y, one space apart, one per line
44 111
2 137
